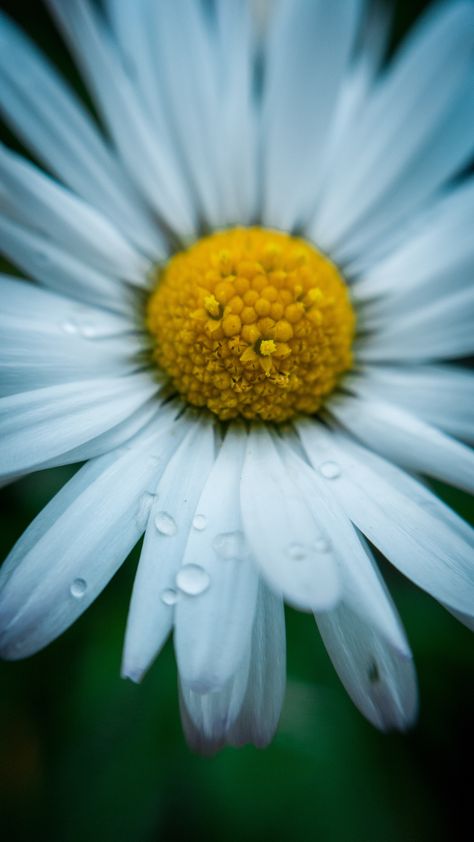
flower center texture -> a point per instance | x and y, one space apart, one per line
251 323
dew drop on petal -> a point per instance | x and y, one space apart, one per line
330 470
192 579
230 545
169 596
298 552
165 524
144 508
70 327
199 522
78 588
322 545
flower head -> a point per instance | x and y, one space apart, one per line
246 286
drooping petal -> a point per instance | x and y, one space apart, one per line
401 437
379 678
281 531
45 423
58 567
151 612
213 627
410 525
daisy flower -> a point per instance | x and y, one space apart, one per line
250 272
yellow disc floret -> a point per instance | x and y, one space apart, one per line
251 322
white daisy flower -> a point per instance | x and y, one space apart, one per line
247 282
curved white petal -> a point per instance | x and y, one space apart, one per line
248 708
435 258
438 394
151 612
281 531
415 531
57 269
213 628
362 585
44 342
258 717
437 56
380 679
308 52
42 203
207 717
150 161
43 424
58 567
441 329
43 110
405 439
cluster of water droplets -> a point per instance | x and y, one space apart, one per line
192 579
303 552
81 323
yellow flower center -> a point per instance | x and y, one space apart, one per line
253 323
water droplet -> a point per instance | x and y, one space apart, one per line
230 545
165 524
169 596
192 579
298 552
78 588
330 470
322 545
200 522
144 508
70 327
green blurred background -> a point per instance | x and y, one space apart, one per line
85 755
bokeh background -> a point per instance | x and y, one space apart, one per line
85 755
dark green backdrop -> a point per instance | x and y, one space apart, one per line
85 755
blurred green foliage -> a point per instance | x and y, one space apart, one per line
85 755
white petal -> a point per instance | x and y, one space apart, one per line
58 567
308 52
281 531
435 259
261 708
405 439
213 627
42 203
208 717
440 395
43 110
440 329
40 425
149 160
248 708
437 56
393 218
56 268
415 531
380 679
151 613
362 585
236 152
193 106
